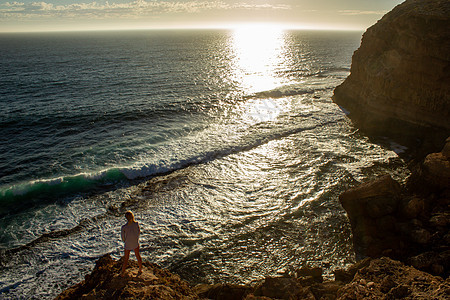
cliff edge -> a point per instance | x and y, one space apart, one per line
400 83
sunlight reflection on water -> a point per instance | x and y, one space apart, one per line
257 53
259 154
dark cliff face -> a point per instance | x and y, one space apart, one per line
400 75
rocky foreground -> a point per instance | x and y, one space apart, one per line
371 279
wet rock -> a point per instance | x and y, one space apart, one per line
374 199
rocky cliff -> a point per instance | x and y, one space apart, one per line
409 222
400 75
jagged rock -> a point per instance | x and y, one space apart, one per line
399 75
314 272
326 290
367 205
402 221
390 279
282 288
374 199
347 275
222 291
432 261
105 283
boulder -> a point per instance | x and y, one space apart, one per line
374 199
412 207
436 170
369 207
222 291
314 272
433 262
281 288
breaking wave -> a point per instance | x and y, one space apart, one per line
20 196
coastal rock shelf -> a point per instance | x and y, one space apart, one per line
366 280
399 81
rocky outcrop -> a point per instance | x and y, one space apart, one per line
409 222
105 283
369 279
399 81
388 279
371 208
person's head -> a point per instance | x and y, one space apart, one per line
130 217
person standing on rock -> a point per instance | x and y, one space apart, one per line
130 235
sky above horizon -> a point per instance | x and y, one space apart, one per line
69 15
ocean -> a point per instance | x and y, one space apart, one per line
224 143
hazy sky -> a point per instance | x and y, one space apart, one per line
30 15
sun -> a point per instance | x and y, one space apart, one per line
257 51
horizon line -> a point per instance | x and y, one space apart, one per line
254 26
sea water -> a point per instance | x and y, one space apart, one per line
224 143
